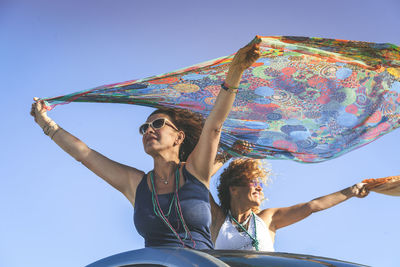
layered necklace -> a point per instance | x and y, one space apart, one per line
254 240
174 202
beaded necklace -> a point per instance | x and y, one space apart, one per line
175 201
254 240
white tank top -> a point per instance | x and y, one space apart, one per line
230 238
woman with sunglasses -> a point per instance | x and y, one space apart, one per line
171 202
239 223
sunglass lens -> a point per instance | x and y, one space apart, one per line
256 183
157 124
143 128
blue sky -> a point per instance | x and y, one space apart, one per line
54 212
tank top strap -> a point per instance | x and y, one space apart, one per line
143 183
142 191
143 180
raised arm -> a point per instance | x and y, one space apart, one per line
122 177
201 161
281 217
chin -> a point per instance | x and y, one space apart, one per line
255 203
149 149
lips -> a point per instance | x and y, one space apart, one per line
150 138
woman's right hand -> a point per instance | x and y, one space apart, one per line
122 177
242 147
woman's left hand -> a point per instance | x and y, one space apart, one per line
359 190
246 56
201 162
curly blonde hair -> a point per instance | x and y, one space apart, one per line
239 172
187 121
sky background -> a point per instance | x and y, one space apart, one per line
54 212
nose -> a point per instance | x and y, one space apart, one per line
149 129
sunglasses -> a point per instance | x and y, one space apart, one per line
256 183
251 183
156 124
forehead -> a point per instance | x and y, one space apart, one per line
157 116
249 179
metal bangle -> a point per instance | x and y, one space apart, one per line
59 128
49 127
228 88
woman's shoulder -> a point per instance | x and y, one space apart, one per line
266 214
135 176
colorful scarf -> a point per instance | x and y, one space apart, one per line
387 185
305 99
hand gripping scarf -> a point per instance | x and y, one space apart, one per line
387 185
305 99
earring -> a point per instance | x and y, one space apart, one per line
177 141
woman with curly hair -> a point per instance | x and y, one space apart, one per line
239 223
171 202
